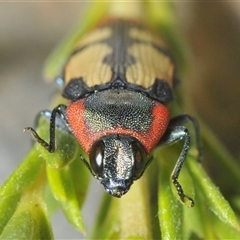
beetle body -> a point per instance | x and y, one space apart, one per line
119 78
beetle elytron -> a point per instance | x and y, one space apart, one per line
119 78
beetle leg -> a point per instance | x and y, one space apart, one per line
60 110
184 118
172 135
177 132
44 113
60 121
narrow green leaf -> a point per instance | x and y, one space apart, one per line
71 210
69 186
43 229
24 175
224 231
212 195
81 179
51 201
19 227
8 206
30 223
195 217
30 219
67 147
170 209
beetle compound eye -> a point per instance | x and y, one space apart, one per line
139 156
96 157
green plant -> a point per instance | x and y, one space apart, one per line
151 209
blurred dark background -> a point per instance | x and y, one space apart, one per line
29 32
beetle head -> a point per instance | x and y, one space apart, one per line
117 160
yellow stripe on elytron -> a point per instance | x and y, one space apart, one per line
95 35
88 64
150 64
146 36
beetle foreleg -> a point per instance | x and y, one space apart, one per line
184 118
174 133
60 109
44 113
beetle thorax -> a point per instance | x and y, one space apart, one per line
117 111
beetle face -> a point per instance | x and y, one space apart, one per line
117 160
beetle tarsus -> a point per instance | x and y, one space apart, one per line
184 198
36 136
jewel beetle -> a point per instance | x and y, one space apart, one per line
119 78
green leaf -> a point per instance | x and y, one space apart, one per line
81 179
28 223
29 218
194 220
224 231
24 175
23 211
212 195
67 147
69 186
169 207
51 202
8 206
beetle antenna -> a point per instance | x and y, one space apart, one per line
88 166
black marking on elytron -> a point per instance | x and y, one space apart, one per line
76 89
106 110
119 60
162 87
